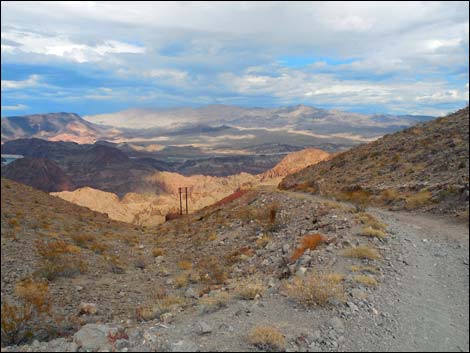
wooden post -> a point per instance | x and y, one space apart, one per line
180 191
186 190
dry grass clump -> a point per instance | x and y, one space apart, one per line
316 289
162 306
263 241
116 264
185 265
371 232
214 303
250 291
267 338
212 271
368 281
58 258
362 252
156 252
389 195
237 255
359 197
417 200
310 241
369 220
13 222
182 280
360 268
83 240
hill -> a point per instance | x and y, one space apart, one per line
425 167
39 173
52 126
151 207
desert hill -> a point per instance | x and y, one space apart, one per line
151 207
425 166
42 174
53 126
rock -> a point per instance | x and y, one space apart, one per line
166 317
190 293
203 328
336 323
352 306
285 248
184 346
94 336
358 294
301 271
121 343
87 308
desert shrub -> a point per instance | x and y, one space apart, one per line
157 252
83 240
267 339
368 281
236 255
13 222
211 270
263 241
371 232
359 197
389 195
316 289
417 200
213 303
116 264
58 258
309 241
161 306
140 263
20 321
182 280
249 291
185 265
362 252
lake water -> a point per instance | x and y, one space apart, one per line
8 158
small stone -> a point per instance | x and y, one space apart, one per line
184 346
352 306
203 328
87 308
301 271
190 293
336 323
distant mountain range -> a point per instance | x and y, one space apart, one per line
214 128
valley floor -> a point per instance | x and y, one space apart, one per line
420 304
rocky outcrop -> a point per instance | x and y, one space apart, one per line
294 162
39 173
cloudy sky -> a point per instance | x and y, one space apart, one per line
95 57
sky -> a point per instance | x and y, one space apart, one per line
100 57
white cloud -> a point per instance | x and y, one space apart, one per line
29 42
31 81
15 107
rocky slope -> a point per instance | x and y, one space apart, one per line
149 208
39 173
210 281
425 167
53 126
295 162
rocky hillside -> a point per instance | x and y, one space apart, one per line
53 126
42 174
295 162
76 267
265 270
150 208
424 167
